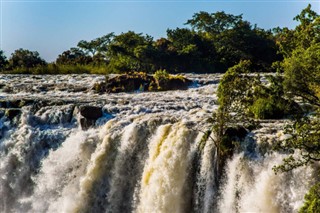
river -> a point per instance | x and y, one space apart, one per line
140 155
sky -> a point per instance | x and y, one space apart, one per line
53 26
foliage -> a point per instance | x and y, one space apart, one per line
97 46
3 60
302 76
303 146
211 43
233 98
312 200
22 58
129 52
161 75
235 39
303 36
74 56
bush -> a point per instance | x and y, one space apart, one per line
161 75
312 200
268 108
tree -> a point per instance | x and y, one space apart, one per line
301 50
306 33
234 97
130 51
235 39
23 58
74 56
97 46
3 60
213 23
302 76
191 52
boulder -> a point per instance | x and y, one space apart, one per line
12 113
141 81
128 82
231 140
86 123
238 132
89 115
90 112
174 83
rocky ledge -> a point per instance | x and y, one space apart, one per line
142 82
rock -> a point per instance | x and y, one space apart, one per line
128 82
236 132
141 81
89 115
175 83
86 123
12 113
231 137
90 112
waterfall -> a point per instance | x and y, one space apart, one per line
146 157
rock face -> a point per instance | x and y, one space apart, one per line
141 82
128 82
90 112
89 115
12 113
174 84
232 136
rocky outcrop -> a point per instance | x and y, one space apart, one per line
231 140
174 83
141 82
12 113
88 115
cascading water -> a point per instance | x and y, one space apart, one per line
143 155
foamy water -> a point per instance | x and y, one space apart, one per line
143 155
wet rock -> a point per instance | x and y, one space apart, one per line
128 82
142 82
12 113
88 115
236 132
175 83
231 140
3 104
86 123
90 112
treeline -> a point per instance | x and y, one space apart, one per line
210 43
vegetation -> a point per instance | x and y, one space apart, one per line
216 42
243 96
210 43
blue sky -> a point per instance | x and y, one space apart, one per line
53 26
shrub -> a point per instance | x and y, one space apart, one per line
267 108
161 75
312 200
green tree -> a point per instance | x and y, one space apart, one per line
214 23
306 33
234 98
74 56
131 51
23 58
301 65
312 200
3 60
96 46
235 39
302 76
191 51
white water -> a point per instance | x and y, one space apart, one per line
145 159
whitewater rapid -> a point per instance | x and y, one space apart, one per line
143 155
